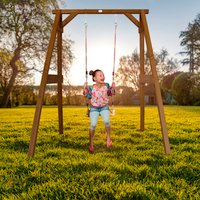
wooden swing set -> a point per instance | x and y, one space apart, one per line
47 78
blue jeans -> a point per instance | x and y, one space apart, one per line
94 115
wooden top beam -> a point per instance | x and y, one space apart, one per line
101 11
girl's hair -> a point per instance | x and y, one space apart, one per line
93 73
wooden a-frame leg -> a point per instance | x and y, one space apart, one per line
142 103
37 115
59 53
156 82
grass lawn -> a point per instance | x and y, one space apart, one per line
134 168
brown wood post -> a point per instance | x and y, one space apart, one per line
36 121
142 103
59 60
156 82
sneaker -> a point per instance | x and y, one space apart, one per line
109 143
91 149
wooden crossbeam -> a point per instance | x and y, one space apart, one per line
54 79
133 19
102 11
68 19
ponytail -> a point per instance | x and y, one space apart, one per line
93 73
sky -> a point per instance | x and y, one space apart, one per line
166 19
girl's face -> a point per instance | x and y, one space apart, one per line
99 77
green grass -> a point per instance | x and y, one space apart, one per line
135 168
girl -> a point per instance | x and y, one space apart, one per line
98 93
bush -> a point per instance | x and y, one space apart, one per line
186 88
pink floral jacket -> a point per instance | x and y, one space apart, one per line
99 95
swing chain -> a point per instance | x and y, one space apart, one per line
113 73
86 70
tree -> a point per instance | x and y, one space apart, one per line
165 65
195 90
186 88
129 68
23 95
127 95
25 27
166 88
181 88
128 71
6 71
191 44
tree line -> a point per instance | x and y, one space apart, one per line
72 95
25 28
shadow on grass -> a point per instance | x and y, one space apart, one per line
178 140
17 145
65 141
78 143
191 174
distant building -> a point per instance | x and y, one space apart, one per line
149 96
